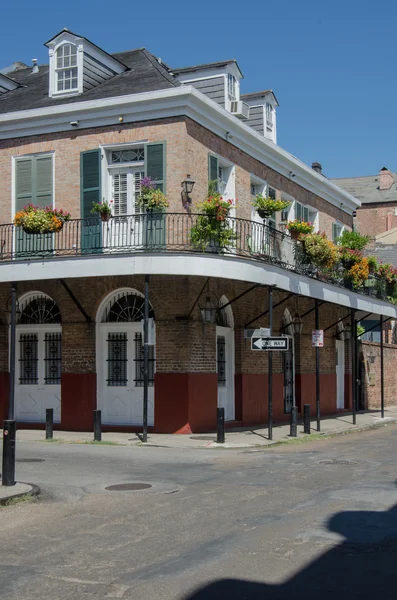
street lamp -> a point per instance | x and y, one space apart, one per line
208 310
187 188
297 324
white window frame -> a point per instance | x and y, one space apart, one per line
54 70
14 176
261 188
65 69
232 90
290 209
313 214
341 226
229 191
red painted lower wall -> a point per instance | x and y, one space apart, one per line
4 388
78 401
185 402
254 404
307 383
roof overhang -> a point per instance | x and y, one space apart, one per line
181 101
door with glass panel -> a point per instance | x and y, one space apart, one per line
126 227
225 370
120 374
38 372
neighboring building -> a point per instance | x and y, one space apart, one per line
86 128
378 196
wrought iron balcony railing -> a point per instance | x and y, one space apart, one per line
173 232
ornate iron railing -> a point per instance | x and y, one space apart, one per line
172 232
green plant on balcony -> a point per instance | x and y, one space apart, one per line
103 209
373 264
353 240
266 207
349 257
357 274
151 198
212 231
298 227
41 219
319 250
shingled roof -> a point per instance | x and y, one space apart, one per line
144 74
367 189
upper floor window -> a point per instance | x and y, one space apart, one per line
66 68
232 87
308 214
34 180
337 230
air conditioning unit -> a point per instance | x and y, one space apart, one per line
240 109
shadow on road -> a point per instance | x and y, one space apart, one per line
363 566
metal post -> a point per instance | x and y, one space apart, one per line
353 351
49 423
382 382
8 469
270 370
220 425
11 394
306 418
294 422
97 426
145 359
317 371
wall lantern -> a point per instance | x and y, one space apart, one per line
208 309
187 188
297 324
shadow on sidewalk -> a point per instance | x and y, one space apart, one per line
362 567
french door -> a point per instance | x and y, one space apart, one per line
38 372
126 227
225 370
120 374
340 374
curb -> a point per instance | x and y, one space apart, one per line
34 491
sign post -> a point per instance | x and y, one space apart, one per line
270 343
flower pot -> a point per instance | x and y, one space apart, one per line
105 217
295 234
263 213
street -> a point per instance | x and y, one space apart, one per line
316 520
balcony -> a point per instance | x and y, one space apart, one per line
167 233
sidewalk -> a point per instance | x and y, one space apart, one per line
235 438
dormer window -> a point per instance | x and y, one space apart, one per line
232 87
269 115
66 68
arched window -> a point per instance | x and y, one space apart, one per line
224 317
125 307
38 309
66 68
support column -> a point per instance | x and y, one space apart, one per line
317 325
270 369
382 381
354 368
145 360
11 395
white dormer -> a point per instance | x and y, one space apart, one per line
262 115
77 65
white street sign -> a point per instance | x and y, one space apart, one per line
269 343
317 338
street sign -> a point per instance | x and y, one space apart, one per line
270 343
317 338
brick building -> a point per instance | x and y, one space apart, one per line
87 128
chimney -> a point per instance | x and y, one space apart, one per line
35 66
317 167
386 179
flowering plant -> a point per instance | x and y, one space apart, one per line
215 206
358 272
349 257
41 219
320 250
150 196
102 208
297 226
388 272
266 207
212 230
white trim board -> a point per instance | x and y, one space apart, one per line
223 267
181 101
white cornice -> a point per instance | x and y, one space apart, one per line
181 101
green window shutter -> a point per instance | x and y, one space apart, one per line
90 181
44 183
155 163
213 169
90 192
23 182
298 211
335 232
305 214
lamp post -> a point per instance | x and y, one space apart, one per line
297 324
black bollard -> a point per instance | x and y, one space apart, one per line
8 471
97 426
306 418
49 423
294 422
220 425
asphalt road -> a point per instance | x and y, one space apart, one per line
317 521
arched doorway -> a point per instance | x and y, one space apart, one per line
38 358
225 359
288 363
120 359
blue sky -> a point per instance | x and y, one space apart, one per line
330 64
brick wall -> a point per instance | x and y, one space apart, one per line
188 145
372 220
370 356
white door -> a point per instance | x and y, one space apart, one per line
120 374
340 374
225 370
125 228
38 372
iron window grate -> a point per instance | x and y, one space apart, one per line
117 360
53 358
28 362
221 359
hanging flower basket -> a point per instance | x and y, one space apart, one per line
40 219
297 227
266 207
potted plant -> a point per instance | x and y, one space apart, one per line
353 240
266 207
372 264
296 228
103 209
357 274
319 250
387 277
212 231
41 219
153 202
349 257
